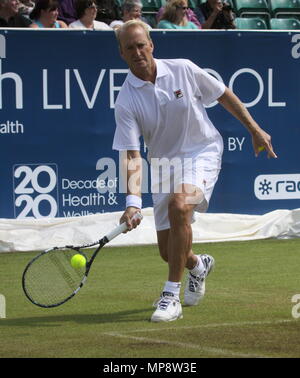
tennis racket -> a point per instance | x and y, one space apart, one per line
49 280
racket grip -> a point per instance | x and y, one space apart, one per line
122 227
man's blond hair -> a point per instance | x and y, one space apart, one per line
131 24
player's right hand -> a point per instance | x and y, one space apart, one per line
128 217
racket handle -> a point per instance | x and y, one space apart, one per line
122 227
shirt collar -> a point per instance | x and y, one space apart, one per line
161 71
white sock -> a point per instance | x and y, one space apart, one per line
173 287
199 267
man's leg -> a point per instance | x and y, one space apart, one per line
180 245
180 235
177 241
175 245
163 242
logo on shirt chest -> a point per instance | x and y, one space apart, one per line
178 93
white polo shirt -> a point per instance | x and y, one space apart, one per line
170 114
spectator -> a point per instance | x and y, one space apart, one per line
132 10
215 14
26 7
9 15
189 14
108 11
175 16
44 15
66 11
86 12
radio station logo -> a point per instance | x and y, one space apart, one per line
35 190
277 187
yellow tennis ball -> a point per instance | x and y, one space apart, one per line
78 261
261 148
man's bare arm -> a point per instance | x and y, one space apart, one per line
260 139
132 171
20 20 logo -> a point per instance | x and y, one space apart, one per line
35 190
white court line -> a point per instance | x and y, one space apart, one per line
214 351
213 325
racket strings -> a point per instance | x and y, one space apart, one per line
61 268
51 279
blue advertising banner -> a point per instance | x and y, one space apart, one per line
57 95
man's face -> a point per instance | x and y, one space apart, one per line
91 10
136 49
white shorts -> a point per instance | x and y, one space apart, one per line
205 181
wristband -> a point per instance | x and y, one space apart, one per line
133 201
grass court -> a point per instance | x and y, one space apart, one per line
247 310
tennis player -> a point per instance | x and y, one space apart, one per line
163 100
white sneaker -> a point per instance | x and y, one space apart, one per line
168 308
195 286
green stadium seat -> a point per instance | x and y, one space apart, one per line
119 3
284 24
252 8
285 8
230 2
151 5
151 19
251 23
192 4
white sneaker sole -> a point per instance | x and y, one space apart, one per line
157 319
